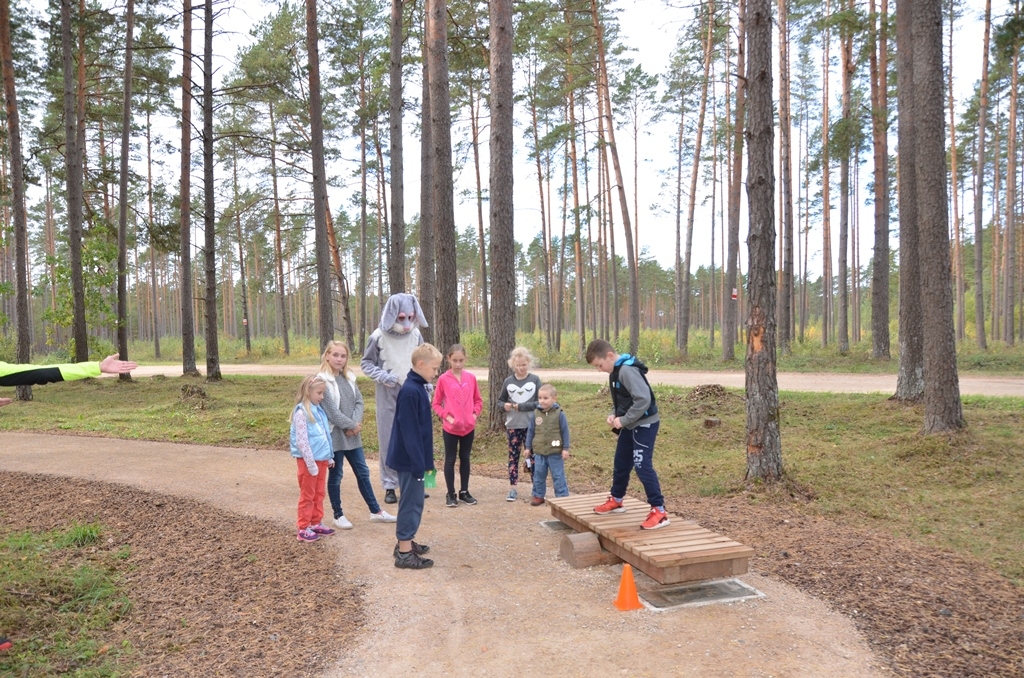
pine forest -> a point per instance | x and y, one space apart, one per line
801 171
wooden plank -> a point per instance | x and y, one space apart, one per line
681 551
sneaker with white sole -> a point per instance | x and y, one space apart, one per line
343 523
611 505
657 518
321 529
382 517
307 534
512 495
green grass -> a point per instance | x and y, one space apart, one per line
62 596
860 458
656 347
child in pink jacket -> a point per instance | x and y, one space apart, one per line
457 401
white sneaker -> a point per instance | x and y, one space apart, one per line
343 523
382 517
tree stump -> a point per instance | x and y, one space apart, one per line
583 549
712 422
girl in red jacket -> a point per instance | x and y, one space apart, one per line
457 401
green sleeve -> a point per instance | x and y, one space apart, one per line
12 374
72 371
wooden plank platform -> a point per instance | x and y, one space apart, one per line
682 551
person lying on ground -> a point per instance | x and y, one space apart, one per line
15 374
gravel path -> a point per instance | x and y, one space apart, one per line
499 601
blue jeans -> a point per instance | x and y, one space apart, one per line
410 505
635 449
540 471
358 463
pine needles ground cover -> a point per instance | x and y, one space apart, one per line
63 597
857 459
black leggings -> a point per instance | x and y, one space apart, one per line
464 445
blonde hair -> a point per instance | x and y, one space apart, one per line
302 397
520 352
325 366
425 352
547 388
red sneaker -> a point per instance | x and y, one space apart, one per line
613 505
655 519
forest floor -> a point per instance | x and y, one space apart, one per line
221 587
970 384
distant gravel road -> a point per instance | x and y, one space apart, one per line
993 385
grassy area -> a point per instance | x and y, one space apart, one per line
859 459
62 595
657 347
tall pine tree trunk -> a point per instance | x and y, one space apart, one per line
580 298
764 443
1010 240
188 331
282 314
827 299
503 274
785 292
878 52
152 244
209 223
364 282
122 216
241 251
910 377
730 291
426 272
958 248
325 308
942 408
74 177
396 260
844 188
474 117
443 200
21 289
979 191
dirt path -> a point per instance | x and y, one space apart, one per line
992 385
499 601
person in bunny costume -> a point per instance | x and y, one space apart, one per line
387 360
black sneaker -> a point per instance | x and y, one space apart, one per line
451 501
389 497
418 549
466 498
412 561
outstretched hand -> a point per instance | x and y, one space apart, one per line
5 401
113 365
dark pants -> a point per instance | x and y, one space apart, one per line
357 460
410 505
635 449
461 445
516 441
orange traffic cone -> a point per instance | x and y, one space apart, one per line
627 600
